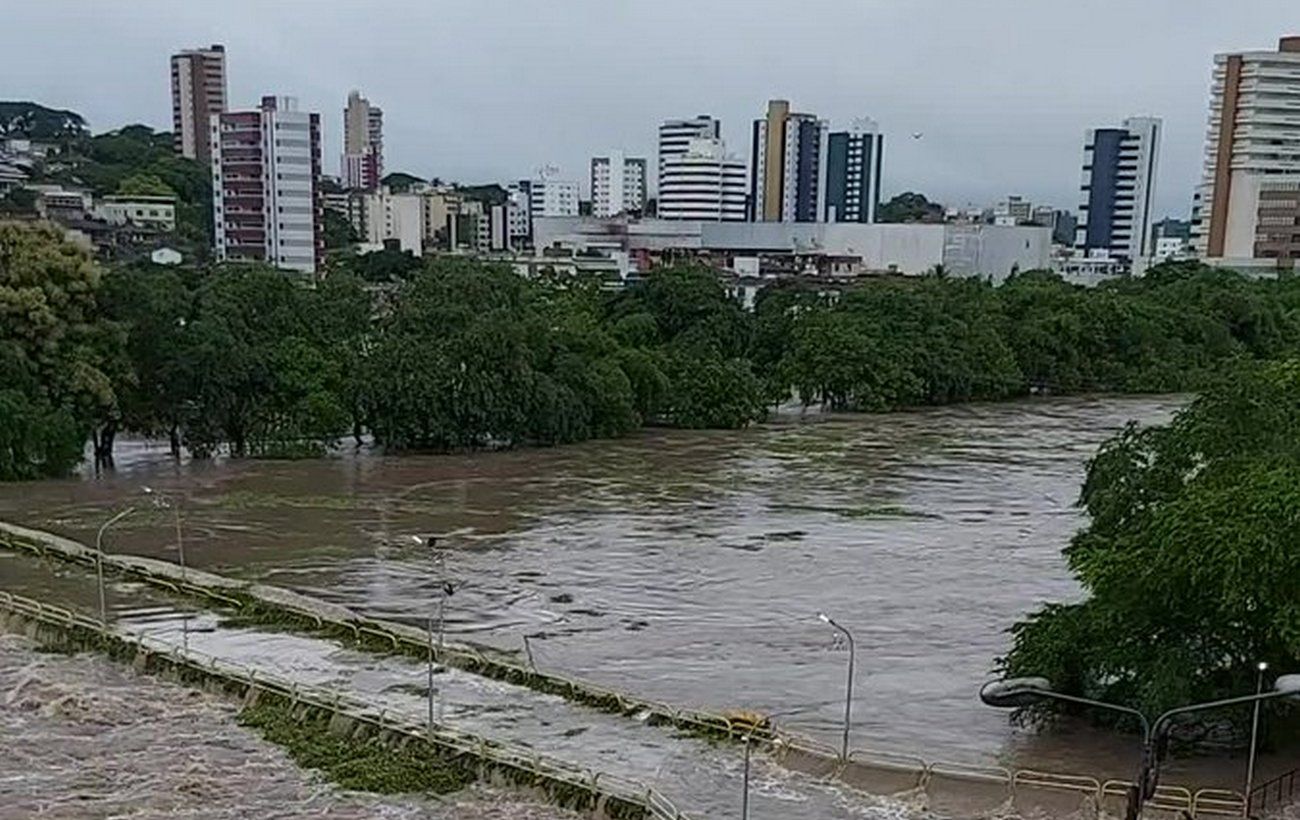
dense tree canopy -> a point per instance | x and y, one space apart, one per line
35 121
906 341
1191 561
455 353
57 354
136 160
910 207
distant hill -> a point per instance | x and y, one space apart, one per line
35 121
133 159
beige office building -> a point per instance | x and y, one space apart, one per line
1247 207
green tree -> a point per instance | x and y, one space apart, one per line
144 184
153 305
56 352
910 207
1191 561
338 229
400 182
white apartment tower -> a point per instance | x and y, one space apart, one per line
198 92
703 183
400 218
1118 190
548 195
675 137
1247 206
362 164
265 183
618 184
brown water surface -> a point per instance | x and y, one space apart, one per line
689 566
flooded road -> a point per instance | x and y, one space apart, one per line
701 777
687 566
88 738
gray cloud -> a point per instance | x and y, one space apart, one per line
1002 89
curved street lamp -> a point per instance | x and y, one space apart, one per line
99 561
848 695
1254 734
164 500
1017 693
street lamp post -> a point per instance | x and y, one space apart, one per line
848 695
175 505
1021 692
99 561
429 677
445 589
744 800
748 740
1254 737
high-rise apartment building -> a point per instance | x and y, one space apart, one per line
618 184
1248 203
853 162
198 92
362 164
548 195
1118 190
703 183
789 166
675 137
265 175
389 218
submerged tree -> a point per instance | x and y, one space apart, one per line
1192 558
57 353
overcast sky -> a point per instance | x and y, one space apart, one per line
483 90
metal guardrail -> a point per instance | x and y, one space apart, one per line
1172 798
1278 792
653 802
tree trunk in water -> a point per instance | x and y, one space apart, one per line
103 440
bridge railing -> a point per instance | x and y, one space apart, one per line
470 658
1277 792
360 710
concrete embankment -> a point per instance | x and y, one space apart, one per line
84 735
356 722
946 789
278 607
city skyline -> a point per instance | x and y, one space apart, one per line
1013 126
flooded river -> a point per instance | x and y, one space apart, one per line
85 737
689 567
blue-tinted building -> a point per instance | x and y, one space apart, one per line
1118 190
853 162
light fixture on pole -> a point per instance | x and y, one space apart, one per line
744 801
174 503
748 740
848 695
99 561
1018 693
1262 667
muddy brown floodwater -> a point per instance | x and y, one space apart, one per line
86 738
689 566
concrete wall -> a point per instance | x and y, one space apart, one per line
992 251
966 250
